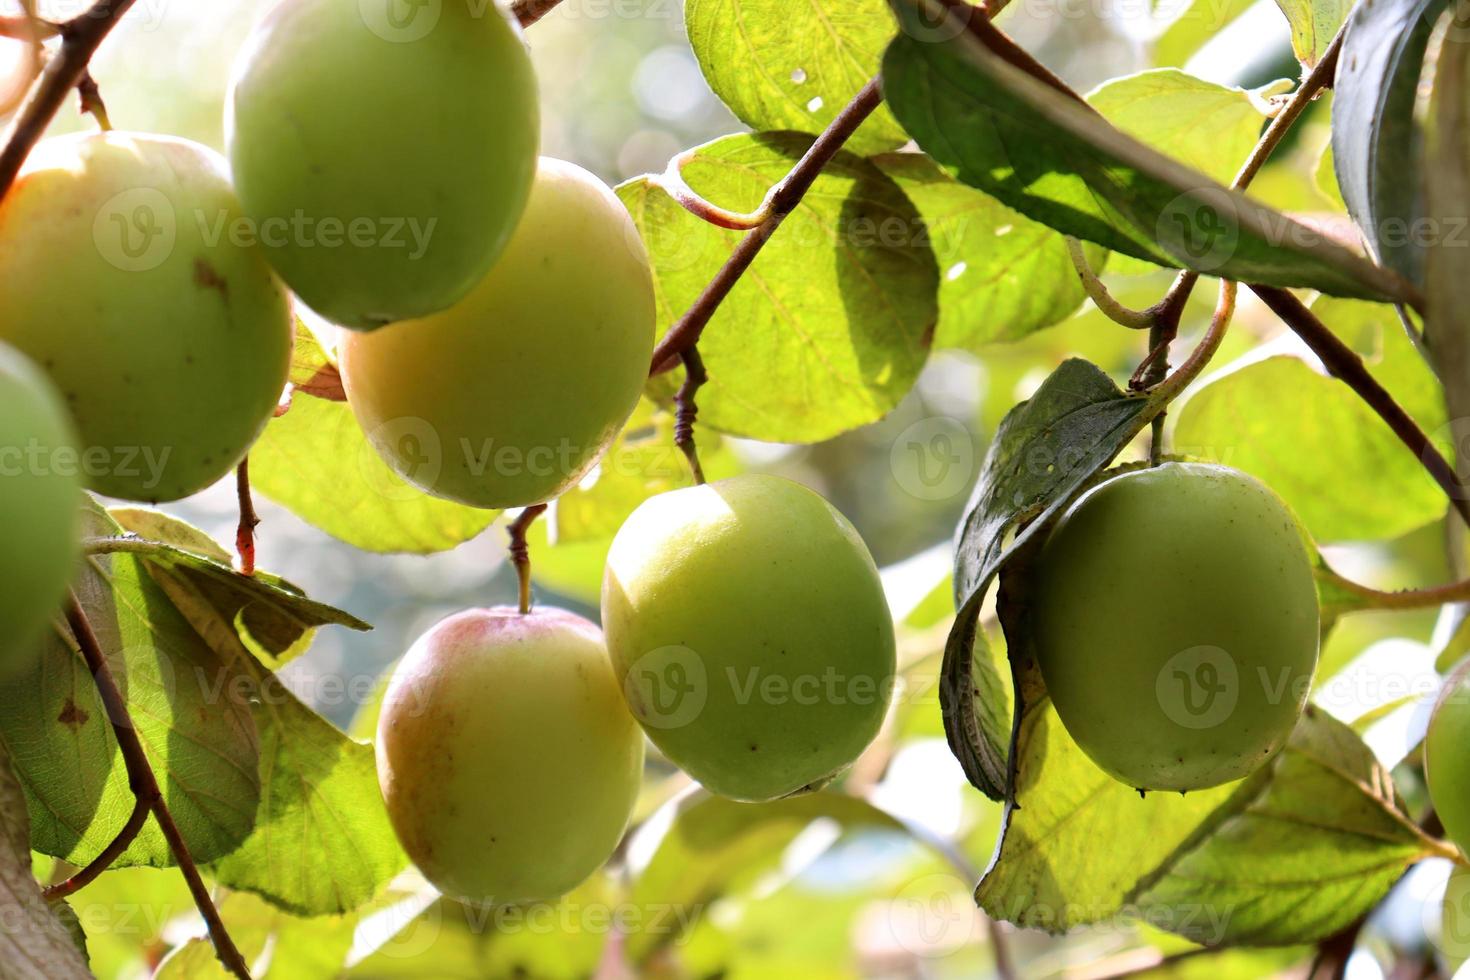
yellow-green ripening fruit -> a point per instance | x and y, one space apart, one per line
1453 943
384 150
1174 616
125 276
40 497
507 759
750 633
1447 758
511 396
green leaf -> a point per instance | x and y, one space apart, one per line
1077 841
1211 128
1258 417
829 328
780 65
196 730
274 620
322 844
34 943
1045 451
715 843
1002 275
315 461
1313 25
1317 849
1375 147
1057 161
278 946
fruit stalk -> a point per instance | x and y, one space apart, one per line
144 784
249 519
520 552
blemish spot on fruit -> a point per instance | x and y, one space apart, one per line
206 276
798 76
72 716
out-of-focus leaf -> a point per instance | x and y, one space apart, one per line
196 730
315 461
1002 275
274 620
780 65
277 945
1374 143
34 943
830 326
1193 29
1317 849
1059 162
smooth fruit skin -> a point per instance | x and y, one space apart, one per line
510 397
1174 616
750 634
168 337
507 759
1447 758
40 496
415 123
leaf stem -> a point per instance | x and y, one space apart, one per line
1343 363
672 183
783 199
1425 598
103 861
520 552
144 784
1098 292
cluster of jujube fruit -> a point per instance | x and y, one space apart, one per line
388 178
516 324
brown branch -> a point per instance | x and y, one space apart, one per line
103 861
528 12
1343 363
783 200
520 551
686 410
144 783
80 37
249 519
1318 79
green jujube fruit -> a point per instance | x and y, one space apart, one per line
1174 617
383 151
749 630
123 277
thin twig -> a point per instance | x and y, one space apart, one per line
783 200
144 784
1170 388
528 12
1343 363
103 861
80 37
520 552
1098 292
1426 598
249 519
1318 79
686 410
